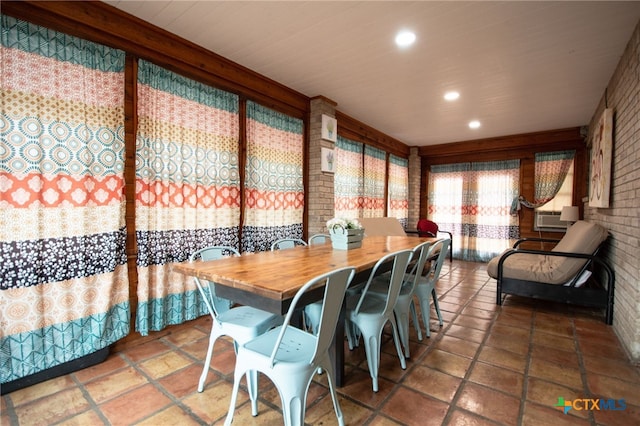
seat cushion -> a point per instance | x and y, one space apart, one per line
583 237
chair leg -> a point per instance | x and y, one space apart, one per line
334 396
425 308
234 395
396 340
252 386
416 323
435 304
371 337
402 319
353 334
205 370
293 396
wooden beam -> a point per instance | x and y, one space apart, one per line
350 128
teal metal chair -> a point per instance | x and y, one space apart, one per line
402 308
311 313
290 357
426 286
319 239
370 313
241 323
286 243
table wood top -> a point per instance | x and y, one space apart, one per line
278 275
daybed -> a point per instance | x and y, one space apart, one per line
572 272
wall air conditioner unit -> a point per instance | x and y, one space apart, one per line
549 222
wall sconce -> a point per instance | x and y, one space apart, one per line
570 214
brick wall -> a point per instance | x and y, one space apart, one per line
320 199
622 217
415 170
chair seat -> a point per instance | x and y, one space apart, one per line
247 320
370 305
297 346
380 286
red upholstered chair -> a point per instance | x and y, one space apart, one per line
428 228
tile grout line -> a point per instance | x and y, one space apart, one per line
465 380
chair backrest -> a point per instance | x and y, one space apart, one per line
335 287
319 239
437 252
581 237
420 255
216 305
427 228
287 243
400 261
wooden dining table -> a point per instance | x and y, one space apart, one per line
269 280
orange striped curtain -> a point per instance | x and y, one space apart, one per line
64 288
375 176
398 203
274 190
472 201
348 179
187 188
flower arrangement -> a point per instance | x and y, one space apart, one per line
342 223
346 234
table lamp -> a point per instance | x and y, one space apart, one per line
570 214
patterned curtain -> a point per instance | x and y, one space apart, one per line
472 201
274 190
375 164
187 188
348 178
551 170
64 289
398 205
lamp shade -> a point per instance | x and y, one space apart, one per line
569 214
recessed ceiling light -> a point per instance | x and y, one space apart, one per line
474 124
451 96
405 38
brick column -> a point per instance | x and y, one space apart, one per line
320 198
415 171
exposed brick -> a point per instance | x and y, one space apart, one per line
621 218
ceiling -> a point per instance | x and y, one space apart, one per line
519 66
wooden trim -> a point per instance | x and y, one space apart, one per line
350 128
502 147
105 24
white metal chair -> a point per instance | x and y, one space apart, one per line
286 243
290 357
370 313
311 313
402 308
426 287
319 239
241 323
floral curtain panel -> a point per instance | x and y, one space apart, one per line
398 204
551 170
375 177
472 201
187 188
64 289
274 190
348 178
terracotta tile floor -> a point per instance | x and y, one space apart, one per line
488 365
